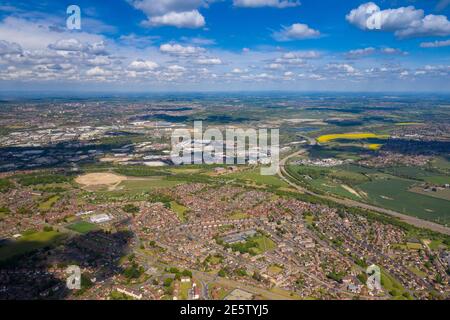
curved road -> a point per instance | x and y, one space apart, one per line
283 174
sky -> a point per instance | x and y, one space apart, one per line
226 45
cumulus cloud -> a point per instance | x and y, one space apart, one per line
176 68
179 50
186 19
266 3
297 31
434 44
405 22
143 65
98 72
177 13
66 45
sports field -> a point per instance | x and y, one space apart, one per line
82 227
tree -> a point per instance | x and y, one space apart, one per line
168 282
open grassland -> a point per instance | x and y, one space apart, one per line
254 175
349 136
28 243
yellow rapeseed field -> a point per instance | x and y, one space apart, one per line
349 136
374 146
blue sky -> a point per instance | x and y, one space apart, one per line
203 45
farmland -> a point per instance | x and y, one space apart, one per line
349 136
394 188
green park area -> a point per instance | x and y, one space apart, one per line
255 245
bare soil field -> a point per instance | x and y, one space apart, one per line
97 179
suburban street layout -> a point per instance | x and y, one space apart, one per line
155 150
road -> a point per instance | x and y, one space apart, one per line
284 175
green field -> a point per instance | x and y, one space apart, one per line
393 194
392 188
238 216
392 286
82 227
28 243
255 176
146 184
48 203
180 210
264 244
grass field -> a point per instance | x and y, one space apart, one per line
82 227
28 243
143 185
255 176
179 210
264 244
274 269
392 188
392 286
48 204
393 194
238 216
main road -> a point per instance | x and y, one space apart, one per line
284 175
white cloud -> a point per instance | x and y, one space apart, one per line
208 61
99 61
66 45
177 13
358 53
98 72
266 3
176 68
404 21
341 67
365 52
434 44
297 31
38 35
141 65
186 19
179 50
